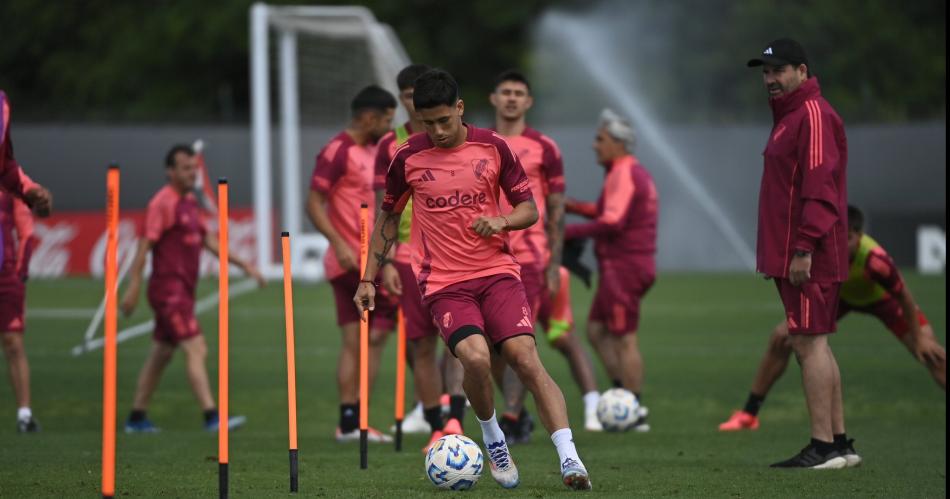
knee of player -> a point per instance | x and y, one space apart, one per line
780 340
12 344
476 362
377 338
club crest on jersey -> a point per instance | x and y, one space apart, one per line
447 320
479 166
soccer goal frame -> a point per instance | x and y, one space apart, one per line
341 22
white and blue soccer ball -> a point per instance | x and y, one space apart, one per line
454 462
617 409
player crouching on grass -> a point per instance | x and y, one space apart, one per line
874 287
454 174
175 233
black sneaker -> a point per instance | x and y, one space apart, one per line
850 456
525 427
510 427
809 457
28 425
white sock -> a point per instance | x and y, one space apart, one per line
491 432
564 442
24 414
590 402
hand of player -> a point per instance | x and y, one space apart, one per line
40 201
255 274
129 300
554 280
365 298
346 257
489 226
799 271
391 280
929 353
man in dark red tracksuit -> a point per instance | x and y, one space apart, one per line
803 238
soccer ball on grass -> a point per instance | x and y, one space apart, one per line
617 409
454 462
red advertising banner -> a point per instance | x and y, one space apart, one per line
74 243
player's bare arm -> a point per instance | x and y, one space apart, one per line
555 230
523 216
211 244
131 297
924 347
317 211
384 237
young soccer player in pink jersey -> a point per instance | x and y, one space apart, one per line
455 174
538 248
624 233
175 234
874 287
342 180
16 220
421 333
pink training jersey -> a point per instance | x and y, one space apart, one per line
344 174
174 225
450 189
542 163
625 216
15 252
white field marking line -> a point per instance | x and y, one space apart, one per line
97 318
203 305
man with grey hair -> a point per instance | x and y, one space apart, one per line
623 227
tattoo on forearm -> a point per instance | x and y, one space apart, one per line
389 230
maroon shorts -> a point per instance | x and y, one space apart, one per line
175 319
535 288
11 309
494 305
888 311
619 291
418 319
811 308
382 318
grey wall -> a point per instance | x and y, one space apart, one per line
897 174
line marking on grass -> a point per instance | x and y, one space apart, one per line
203 305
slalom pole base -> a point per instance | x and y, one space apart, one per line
223 480
364 447
293 470
398 435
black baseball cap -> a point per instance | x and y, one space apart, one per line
780 52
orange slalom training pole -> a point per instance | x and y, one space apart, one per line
109 350
364 342
400 405
223 338
291 359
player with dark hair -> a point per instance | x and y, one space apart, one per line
623 226
455 174
398 278
342 180
175 234
538 249
874 287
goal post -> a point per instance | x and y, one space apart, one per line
345 48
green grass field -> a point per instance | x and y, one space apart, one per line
701 335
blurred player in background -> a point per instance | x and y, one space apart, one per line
17 192
175 234
466 274
624 233
874 287
16 220
421 333
802 238
538 249
342 180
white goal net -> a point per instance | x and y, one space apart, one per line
307 62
